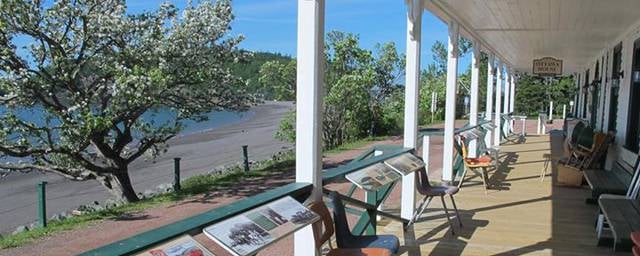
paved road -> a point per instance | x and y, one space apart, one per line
199 152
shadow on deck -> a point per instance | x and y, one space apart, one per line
521 215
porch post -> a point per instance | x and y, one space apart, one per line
512 98
412 84
496 132
450 110
505 104
512 102
489 102
574 107
310 86
475 77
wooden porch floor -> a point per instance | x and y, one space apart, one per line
520 215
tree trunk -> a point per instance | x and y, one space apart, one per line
119 185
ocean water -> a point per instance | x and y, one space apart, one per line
156 117
216 119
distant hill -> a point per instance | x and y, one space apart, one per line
250 69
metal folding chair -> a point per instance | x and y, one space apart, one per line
429 192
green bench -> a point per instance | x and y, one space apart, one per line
619 212
623 218
616 181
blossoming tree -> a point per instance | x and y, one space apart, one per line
78 98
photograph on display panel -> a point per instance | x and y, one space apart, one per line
469 135
251 231
405 163
488 126
181 246
373 177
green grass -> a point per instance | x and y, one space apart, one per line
190 187
78 221
355 144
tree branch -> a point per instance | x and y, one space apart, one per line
73 174
146 146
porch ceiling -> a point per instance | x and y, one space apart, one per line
575 31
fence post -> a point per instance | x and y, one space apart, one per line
176 174
245 154
42 204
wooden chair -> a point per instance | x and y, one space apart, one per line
583 146
493 152
583 152
481 163
595 159
324 230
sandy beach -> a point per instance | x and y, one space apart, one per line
200 152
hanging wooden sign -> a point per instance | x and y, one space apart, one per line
547 66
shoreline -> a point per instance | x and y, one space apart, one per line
245 116
200 152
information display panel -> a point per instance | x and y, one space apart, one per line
405 163
488 126
373 177
181 246
249 232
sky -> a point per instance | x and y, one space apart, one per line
270 25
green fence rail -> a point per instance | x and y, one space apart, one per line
195 224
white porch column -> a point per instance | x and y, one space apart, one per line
310 86
412 89
450 110
496 132
512 101
489 102
505 104
475 80
512 98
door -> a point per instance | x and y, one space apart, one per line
633 125
615 87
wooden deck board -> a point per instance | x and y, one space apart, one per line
520 215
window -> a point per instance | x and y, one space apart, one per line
594 94
615 87
633 136
585 94
617 62
605 70
576 106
